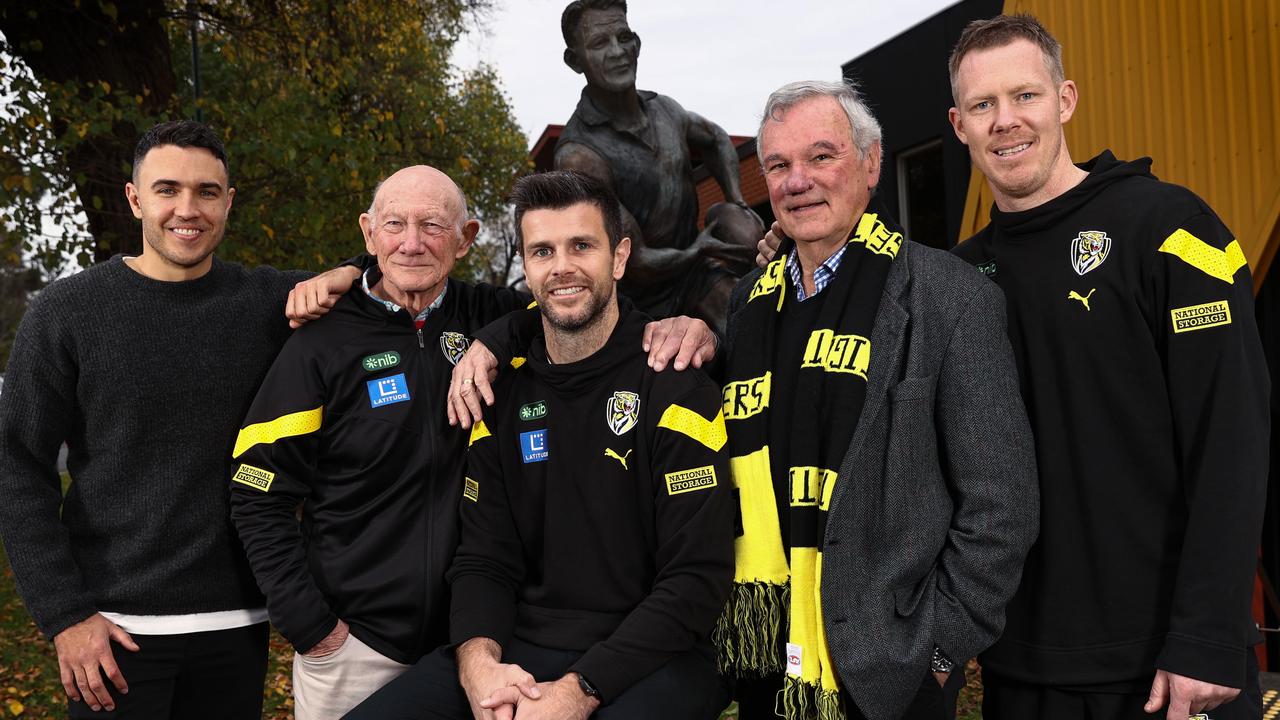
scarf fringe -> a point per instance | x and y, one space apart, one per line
800 700
748 634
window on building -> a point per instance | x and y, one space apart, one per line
922 195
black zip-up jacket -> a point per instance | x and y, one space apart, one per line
597 514
1131 318
350 422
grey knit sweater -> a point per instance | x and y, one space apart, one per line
146 382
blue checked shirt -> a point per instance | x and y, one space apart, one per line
822 276
394 308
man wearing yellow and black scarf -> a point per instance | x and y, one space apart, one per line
881 453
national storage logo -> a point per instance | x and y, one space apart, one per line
1199 317
254 477
685 481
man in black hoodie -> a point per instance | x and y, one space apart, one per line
596 524
1130 311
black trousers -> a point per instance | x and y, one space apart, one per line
757 699
216 675
686 688
1005 699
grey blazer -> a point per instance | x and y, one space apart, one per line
937 501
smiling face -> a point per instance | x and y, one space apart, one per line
606 51
819 184
1010 113
418 230
182 196
569 265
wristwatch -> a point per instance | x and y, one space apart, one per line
940 662
587 688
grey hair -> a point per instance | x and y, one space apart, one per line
462 202
863 126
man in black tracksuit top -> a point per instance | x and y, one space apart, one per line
377 477
350 423
597 533
1130 311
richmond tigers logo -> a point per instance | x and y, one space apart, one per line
622 411
454 345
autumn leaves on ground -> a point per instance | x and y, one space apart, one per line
30 689
29 685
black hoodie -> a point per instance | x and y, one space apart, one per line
1131 317
597 513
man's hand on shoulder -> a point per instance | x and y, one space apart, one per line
560 700
687 341
472 384
313 299
492 686
331 642
82 649
1186 696
769 244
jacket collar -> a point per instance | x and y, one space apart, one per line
590 114
886 345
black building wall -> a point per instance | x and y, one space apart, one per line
905 83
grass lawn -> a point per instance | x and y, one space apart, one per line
29 685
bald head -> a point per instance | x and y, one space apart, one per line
417 227
415 183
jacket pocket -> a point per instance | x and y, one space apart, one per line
907 597
326 659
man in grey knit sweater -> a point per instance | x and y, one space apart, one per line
144 366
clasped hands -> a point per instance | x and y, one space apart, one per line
504 691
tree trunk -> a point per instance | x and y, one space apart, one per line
122 43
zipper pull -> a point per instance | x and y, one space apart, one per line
421 344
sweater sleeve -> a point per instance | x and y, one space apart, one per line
37 413
489 565
274 466
1218 392
689 471
510 335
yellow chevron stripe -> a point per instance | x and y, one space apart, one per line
478 432
687 422
291 425
1220 264
532 304
516 362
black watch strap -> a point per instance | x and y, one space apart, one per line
586 686
940 662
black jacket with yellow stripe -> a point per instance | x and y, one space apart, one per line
1130 309
597 515
350 423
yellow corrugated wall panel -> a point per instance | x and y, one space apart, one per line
1195 84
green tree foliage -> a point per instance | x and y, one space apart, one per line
316 101
16 285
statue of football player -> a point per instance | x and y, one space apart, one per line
639 143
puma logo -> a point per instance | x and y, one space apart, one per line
1073 295
608 452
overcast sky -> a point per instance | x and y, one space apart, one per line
719 59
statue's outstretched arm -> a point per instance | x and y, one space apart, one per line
647 264
718 154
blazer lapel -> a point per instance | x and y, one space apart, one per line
887 337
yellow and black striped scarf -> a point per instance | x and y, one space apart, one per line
773 593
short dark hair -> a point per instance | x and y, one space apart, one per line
560 189
572 16
1000 31
183 133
